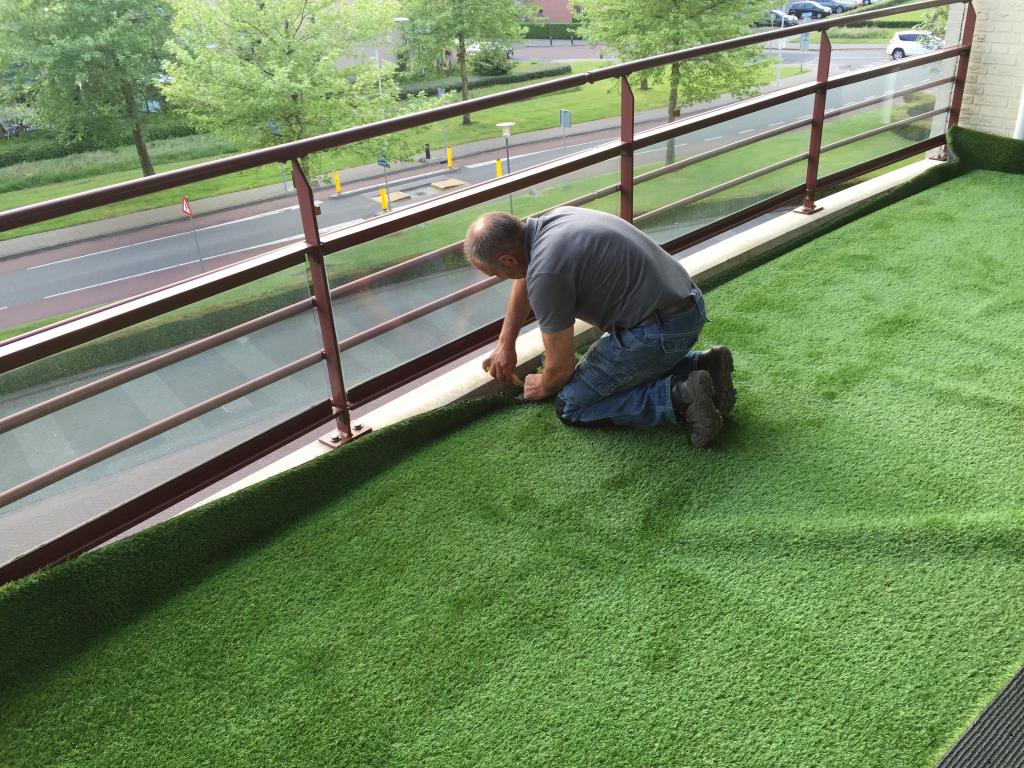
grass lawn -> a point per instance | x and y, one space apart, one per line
586 103
835 583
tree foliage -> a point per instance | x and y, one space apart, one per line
637 30
440 25
87 67
262 72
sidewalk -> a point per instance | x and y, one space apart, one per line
359 176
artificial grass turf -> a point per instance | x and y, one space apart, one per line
836 583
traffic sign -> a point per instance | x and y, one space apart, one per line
564 118
382 162
274 127
185 206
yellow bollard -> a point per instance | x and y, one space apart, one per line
497 167
383 199
449 157
337 183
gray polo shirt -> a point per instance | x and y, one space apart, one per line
598 268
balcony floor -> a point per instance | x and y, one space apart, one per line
836 583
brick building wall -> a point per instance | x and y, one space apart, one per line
995 74
558 11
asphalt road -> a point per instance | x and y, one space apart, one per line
54 284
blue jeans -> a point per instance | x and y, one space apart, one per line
626 375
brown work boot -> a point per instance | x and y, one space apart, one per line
718 362
692 399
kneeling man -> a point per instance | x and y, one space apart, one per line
576 263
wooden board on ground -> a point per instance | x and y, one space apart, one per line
447 184
395 196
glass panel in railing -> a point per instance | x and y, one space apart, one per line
77 429
712 155
684 212
894 139
73 263
108 354
714 82
867 91
440 271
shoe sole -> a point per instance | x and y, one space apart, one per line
703 418
721 374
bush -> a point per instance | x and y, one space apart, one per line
44 145
453 83
553 31
916 104
491 60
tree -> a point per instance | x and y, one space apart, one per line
264 72
637 30
444 22
88 68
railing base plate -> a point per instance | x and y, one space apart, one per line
336 438
808 211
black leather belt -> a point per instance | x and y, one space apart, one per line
659 316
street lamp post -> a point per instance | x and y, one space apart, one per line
506 131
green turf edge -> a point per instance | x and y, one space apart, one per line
49 618
972 150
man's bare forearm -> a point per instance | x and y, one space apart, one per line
515 314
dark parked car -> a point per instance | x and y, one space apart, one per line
806 9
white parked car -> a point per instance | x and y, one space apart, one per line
912 43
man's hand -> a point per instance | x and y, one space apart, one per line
503 362
533 387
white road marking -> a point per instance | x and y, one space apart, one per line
2 308
749 130
712 138
165 237
119 279
772 125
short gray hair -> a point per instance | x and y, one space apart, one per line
491 235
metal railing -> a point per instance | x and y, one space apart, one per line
311 251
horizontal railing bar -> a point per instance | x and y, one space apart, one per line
461 199
883 129
722 187
679 128
728 222
362 283
882 161
414 314
694 159
93 388
887 97
153 430
126 516
37 212
909 62
415 369
29 348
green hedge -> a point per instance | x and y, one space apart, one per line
480 81
43 145
553 31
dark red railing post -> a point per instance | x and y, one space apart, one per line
626 129
322 301
960 79
817 125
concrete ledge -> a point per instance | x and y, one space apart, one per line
469 380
